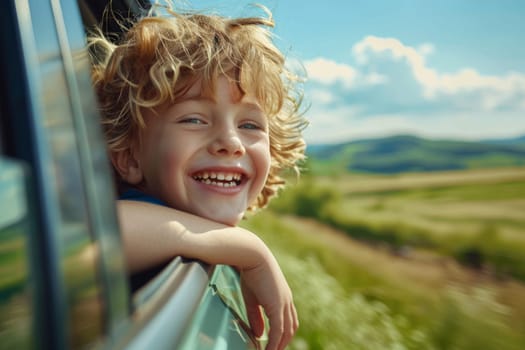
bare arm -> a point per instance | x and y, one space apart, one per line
153 234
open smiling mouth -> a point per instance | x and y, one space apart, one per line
219 178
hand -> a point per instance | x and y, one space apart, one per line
264 285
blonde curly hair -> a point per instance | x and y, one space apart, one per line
161 57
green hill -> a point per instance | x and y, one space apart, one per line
405 153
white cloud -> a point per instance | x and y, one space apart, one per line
329 123
336 129
329 72
375 78
390 88
425 76
492 91
318 96
343 125
426 49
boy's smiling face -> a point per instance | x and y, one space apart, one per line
206 155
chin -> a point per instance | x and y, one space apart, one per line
223 213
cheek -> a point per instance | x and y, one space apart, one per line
268 162
263 162
267 155
263 169
171 159
163 156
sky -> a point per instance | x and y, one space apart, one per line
442 69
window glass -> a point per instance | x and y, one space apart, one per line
15 295
94 164
80 312
47 109
77 251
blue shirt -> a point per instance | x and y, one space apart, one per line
136 195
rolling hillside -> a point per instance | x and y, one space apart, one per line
405 153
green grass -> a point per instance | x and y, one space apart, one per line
367 296
344 301
449 213
333 314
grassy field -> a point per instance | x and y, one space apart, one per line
475 216
443 282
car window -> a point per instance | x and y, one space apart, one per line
78 270
15 226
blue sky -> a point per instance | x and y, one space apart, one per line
439 69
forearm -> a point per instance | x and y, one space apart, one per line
153 234
230 246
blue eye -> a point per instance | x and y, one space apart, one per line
250 126
192 120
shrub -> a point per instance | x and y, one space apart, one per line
335 319
307 199
489 249
471 320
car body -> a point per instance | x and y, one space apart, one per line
63 281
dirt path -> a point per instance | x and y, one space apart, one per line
415 270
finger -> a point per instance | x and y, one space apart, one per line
254 312
295 319
275 333
288 329
255 317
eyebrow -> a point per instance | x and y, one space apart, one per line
201 98
252 105
198 98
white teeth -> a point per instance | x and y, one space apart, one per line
219 179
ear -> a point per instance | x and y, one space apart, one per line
127 166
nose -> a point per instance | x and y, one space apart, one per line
226 143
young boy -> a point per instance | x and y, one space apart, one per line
201 116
